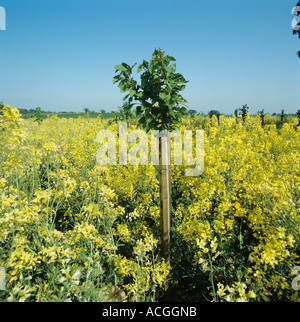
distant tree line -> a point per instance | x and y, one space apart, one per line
124 114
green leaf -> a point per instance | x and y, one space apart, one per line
142 121
131 68
171 58
151 68
164 96
132 92
179 87
138 110
124 85
125 98
144 81
179 78
126 66
116 79
121 67
182 110
140 68
139 94
172 113
171 69
147 127
170 103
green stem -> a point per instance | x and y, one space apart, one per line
212 278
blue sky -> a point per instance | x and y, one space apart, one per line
60 55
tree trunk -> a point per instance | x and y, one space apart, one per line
165 194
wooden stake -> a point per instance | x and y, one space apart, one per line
165 194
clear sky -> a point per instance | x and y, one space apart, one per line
60 54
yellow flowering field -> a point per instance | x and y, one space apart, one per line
70 229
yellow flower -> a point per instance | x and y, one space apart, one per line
62 215
10 114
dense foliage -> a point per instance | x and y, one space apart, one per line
160 103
